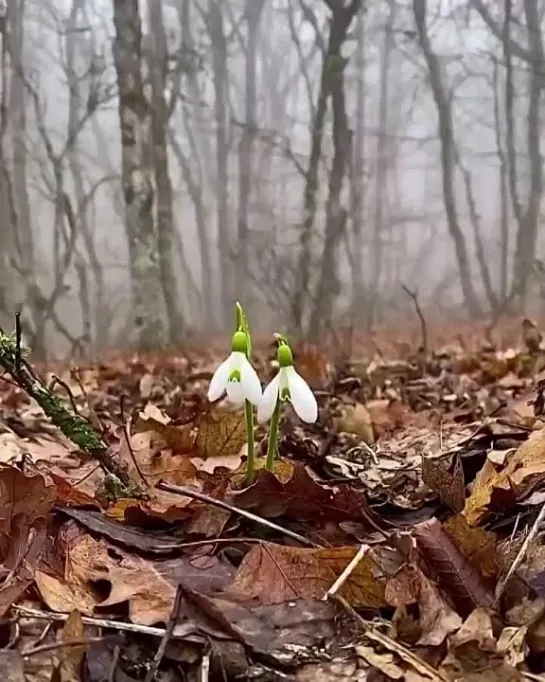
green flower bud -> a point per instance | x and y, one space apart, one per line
284 356
239 344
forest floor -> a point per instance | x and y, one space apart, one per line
398 538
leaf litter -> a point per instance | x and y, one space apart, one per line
417 489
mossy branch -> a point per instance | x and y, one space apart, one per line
74 426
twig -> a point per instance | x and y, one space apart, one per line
520 556
371 631
18 340
346 573
127 438
423 326
113 665
188 492
205 668
53 646
86 620
150 675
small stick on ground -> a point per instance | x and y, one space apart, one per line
188 492
371 631
423 326
25 612
150 675
43 648
205 668
346 573
520 556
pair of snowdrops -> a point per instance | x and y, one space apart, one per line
238 379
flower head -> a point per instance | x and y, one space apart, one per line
236 376
288 386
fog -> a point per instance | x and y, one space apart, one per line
162 159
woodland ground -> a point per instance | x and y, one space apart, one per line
396 539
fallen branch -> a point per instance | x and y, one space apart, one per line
74 426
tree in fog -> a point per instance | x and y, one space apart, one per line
136 124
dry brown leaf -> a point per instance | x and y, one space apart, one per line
11 666
386 662
356 420
524 471
478 546
71 657
221 433
450 487
25 504
293 491
477 627
277 573
462 582
149 587
437 619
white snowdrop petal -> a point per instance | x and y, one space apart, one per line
301 397
250 382
235 392
268 400
218 384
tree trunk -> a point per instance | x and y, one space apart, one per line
447 142
136 123
328 283
253 15
221 80
158 59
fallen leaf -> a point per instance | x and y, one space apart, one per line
478 546
383 662
149 587
274 630
525 470
355 419
25 504
71 658
11 666
292 491
277 573
221 433
452 572
450 487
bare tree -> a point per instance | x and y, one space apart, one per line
443 104
159 60
136 123
336 214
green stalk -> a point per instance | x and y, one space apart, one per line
273 437
249 414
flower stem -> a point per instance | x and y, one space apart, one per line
273 437
249 414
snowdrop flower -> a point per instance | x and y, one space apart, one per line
236 376
288 386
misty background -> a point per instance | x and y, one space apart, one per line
160 159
